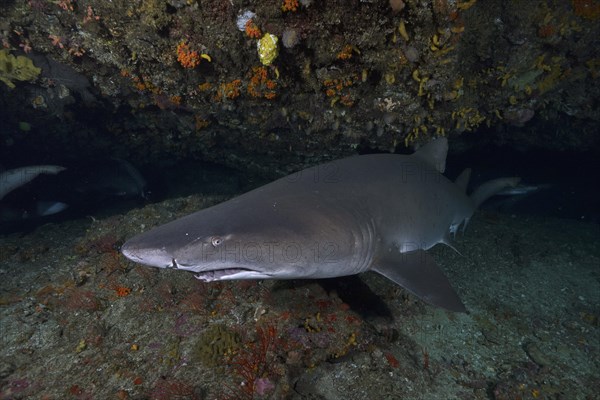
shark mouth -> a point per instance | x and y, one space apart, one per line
221 274
224 274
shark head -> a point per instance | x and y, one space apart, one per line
235 240
211 255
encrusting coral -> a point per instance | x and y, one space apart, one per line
18 68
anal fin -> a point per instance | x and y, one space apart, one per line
417 272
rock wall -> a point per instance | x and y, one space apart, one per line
152 79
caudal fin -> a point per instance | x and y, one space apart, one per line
490 188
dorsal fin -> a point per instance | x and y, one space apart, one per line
462 180
434 153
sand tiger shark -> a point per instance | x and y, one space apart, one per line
378 212
14 178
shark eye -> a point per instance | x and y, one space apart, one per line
216 241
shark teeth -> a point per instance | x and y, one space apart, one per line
220 274
231 274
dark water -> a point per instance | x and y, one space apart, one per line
560 184
567 182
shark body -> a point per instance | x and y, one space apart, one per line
372 212
14 178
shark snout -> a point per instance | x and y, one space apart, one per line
151 257
129 252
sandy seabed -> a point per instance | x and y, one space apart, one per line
79 321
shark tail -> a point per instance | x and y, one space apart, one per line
490 188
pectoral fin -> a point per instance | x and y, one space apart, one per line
417 272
